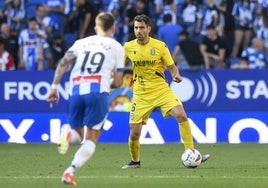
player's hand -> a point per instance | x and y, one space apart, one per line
177 78
53 97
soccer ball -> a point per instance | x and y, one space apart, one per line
191 158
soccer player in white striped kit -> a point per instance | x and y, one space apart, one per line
92 61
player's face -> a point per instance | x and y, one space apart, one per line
141 31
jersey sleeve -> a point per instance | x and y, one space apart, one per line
73 49
126 59
167 58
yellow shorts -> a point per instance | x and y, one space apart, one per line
142 106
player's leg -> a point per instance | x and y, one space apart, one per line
184 126
68 136
72 133
94 116
82 155
134 146
140 111
170 105
179 114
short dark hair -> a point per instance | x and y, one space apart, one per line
30 19
143 18
184 33
106 21
210 27
167 18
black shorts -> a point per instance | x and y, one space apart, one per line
243 28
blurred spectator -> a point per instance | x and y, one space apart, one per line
168 32
213 49
6 59
98 5
253 57
48 57
221 6
70 19
188 17
244 12
44 22
158 7
258 24
86 18
69 6
2 11
131 12
10 41
207 17
261 25
31 50
119 25
46 26
107 3
58 48
170 7
228 32
233 20
15 13
166 7
30 7
55 10
111 5
187 54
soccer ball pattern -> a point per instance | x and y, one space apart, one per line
191 158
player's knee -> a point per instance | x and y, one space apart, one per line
181 118
135 135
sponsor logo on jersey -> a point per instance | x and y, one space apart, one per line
86 79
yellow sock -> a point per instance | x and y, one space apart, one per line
186 134
134 149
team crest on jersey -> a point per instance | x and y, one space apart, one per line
152 51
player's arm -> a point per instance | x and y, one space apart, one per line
120 67
169 63
63 67
174 71
118 78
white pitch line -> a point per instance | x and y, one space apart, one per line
142 177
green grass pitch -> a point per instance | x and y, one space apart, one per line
230 166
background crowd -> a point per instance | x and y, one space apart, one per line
200 34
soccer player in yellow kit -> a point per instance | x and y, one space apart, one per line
149 58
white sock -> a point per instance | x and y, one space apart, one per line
82 155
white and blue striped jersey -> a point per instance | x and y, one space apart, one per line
256 59
97 57
245 11
207 18
31 47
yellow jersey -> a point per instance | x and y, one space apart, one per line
148 63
